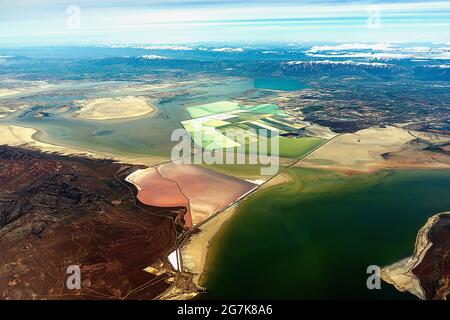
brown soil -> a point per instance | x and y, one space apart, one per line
57 211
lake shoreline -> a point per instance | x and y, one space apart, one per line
15 135
197 248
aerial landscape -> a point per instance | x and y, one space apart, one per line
218 150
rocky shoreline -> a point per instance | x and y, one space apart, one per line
426 273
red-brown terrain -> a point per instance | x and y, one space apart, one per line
201 191
433 271
208 191
57 211
157 191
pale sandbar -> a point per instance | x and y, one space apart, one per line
18 136
113 108
372 149
194 251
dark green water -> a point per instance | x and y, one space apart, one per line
278 84
314 237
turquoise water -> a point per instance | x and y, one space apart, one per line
314 237
278 84
145 136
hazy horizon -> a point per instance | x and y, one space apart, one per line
50 22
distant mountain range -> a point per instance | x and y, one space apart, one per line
423 63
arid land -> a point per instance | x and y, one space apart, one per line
377 148
57 211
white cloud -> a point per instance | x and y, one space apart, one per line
378 52
169 47
352 46
230 50
143 22
418 49
368 55
153 57
148 47
443 56
440 66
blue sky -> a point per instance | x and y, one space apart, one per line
42 22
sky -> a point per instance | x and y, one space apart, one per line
79 22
